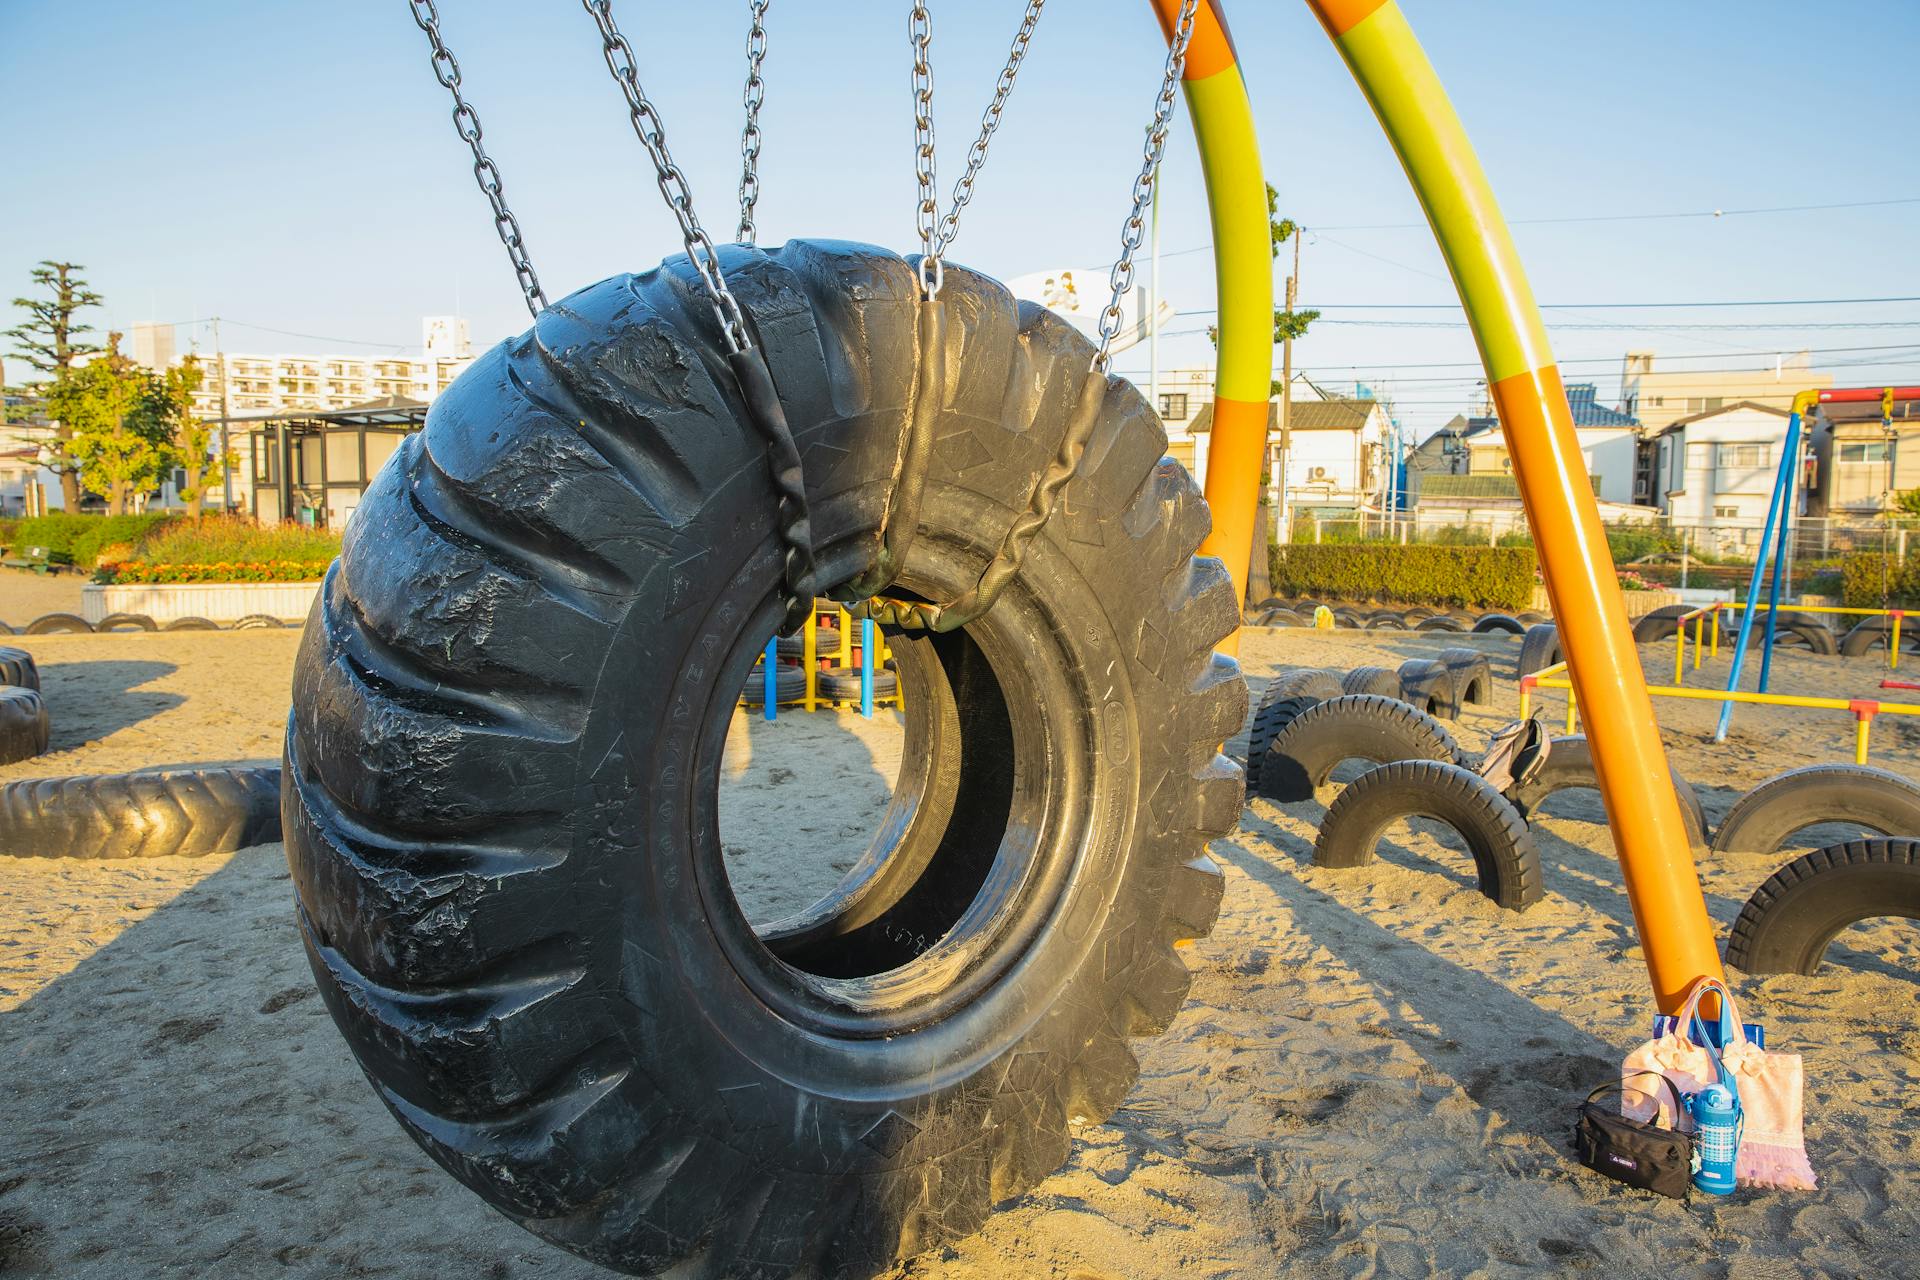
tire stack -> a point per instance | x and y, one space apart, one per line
24 727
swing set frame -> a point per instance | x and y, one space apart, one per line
1398 81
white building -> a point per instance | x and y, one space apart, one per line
271 383
1717 470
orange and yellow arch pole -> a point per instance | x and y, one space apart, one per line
1394 74
1243 275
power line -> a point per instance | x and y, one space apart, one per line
1603 217
1644 217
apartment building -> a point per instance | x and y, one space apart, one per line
1661 397
274 383
1717 471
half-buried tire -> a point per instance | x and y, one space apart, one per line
1429 686
18 669
1376 680
24 729
509 871
1472 676
1502 848
1285 696
1859 795
48 624
170 813
1569 765
1788 922
1539 648
1304 754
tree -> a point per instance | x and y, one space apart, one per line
1907 502
166 413
50 339
115 437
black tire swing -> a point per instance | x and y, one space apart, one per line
505 843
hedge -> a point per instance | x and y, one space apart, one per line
1471 577
82 536
1876 582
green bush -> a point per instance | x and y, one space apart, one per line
1471 577
1876 582
82 536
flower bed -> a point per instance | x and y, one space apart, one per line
133 573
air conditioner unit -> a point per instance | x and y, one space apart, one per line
1318 473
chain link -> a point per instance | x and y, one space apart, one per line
1136 225
754 95
673 184
927 214
467 121
989 122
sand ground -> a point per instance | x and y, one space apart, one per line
1374 1075
25 595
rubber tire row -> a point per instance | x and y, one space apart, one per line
72 623
1274 612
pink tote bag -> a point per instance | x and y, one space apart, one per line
1772 1088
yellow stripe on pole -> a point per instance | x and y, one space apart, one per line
1407 96
1243 247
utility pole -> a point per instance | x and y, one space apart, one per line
226 457
1285 531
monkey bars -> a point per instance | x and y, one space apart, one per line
1398 81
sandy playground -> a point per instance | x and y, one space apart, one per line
1374 1076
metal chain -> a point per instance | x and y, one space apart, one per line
1136 225
1065 464
485 172
755 94
927 214
977 154
673 184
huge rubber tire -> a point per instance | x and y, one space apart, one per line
1429 685
1472 676
48 624
1788 922
1503 851
24 729
1859 795
1569 765
172 813
508 867
1539 648
1376 680
1870 635
18 669
1304 754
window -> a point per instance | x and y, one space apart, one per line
1726 513
1864 451
1173 406
1742 456
1659 402
1715 403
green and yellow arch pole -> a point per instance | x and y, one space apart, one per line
1243 274
1394 74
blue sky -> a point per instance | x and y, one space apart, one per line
292 165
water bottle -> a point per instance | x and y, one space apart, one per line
1716 1119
